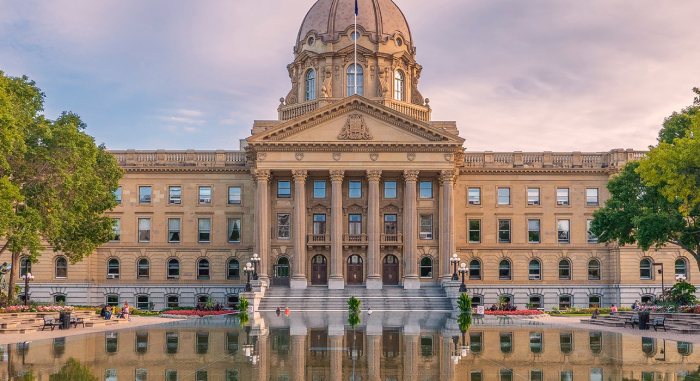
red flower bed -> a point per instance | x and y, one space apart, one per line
514 313
197 313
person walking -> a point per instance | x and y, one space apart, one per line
125 310
613 310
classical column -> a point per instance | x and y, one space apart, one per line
374 356
299 357
411 356
262 221
374 279
336 281
298 280
447 233
263 360
336 357
410 230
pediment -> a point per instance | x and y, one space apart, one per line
352 121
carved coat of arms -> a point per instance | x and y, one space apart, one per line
355 129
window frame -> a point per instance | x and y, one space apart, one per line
399 86
352 183
530 231
204 234
231 228
232 196
116 230
428 233
171 230
538 274
171 304
563 199
203 269
596 268
470 230
282 228
500 197
597 197
284 191
351 86
354 224
201 197
470 199
595 305
501 269
562 302
502 231
147 232
174 200
422 266
146 267
592 238
236 270
170 268
561 231
25 267
395 189
142 198
319 189
112 268
536 199
57 267
427 186
567 268
148 302
310 85
676 267
650 269
476 269
118 195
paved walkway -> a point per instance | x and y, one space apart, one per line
575 322
136 321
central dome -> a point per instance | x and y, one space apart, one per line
382 19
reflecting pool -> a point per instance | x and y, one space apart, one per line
323 346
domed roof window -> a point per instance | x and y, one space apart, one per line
399 94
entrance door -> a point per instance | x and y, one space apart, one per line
319 270
390 270
281 272
355 270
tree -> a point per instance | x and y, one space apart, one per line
73 371
55 183
646 206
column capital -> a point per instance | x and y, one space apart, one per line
447 176
299 175
410 175
337 175
374 174
261 175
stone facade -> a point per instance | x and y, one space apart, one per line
361 190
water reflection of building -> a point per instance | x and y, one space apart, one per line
214 351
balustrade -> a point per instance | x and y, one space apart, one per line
355 238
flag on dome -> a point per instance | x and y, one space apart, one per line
355 7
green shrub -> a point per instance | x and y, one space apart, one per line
464 303
243 304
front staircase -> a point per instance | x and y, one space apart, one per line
386 299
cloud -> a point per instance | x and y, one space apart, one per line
189 112
227 121
179 119
190 129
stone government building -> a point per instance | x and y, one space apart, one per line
358 186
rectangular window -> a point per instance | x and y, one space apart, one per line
533 196
319 224
426 189
110 375
474 231
563 231
503 231
355 189
284 226
141 374
144 195
234 195
536 343
474 197
175 195
390 224
284 189
116 229
592 196
204 229
205 195
355 224
506 374
390 189
476 340
118 195
426 226
591 237
562 196
596 374
173 301
144 230
503 196
319 189
171 375
536 375
533 231
234 230
173 230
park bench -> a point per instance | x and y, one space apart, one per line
659 322
76 320
50 322
634 320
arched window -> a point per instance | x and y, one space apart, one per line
593 269
61 267
203 269
535 302
113 268
143 303
681 269
173 269
684 348
566 343
535 270
172 301
564 302
648 299
594 301
398 86
310 85
233 269
24 266
504 269
649 346
59 298
564 269
474 269
143 268
536 342
645 268
595 342
426 267
355 73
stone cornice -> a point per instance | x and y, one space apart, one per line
176 168
467 170
356 146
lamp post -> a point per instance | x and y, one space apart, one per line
248 271
27 277
456 355
661 271
255 261
463 270
454 260
464 348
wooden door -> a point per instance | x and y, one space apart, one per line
354 270
390 270
319 270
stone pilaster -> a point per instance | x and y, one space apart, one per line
337 353
298 280
336 280
447 234
374 356
374 278
411 357
299 358
410 230
262 221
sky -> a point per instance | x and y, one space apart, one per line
536 75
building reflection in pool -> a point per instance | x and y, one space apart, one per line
383 346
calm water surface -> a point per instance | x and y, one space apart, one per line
322 346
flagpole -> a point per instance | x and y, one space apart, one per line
355 40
